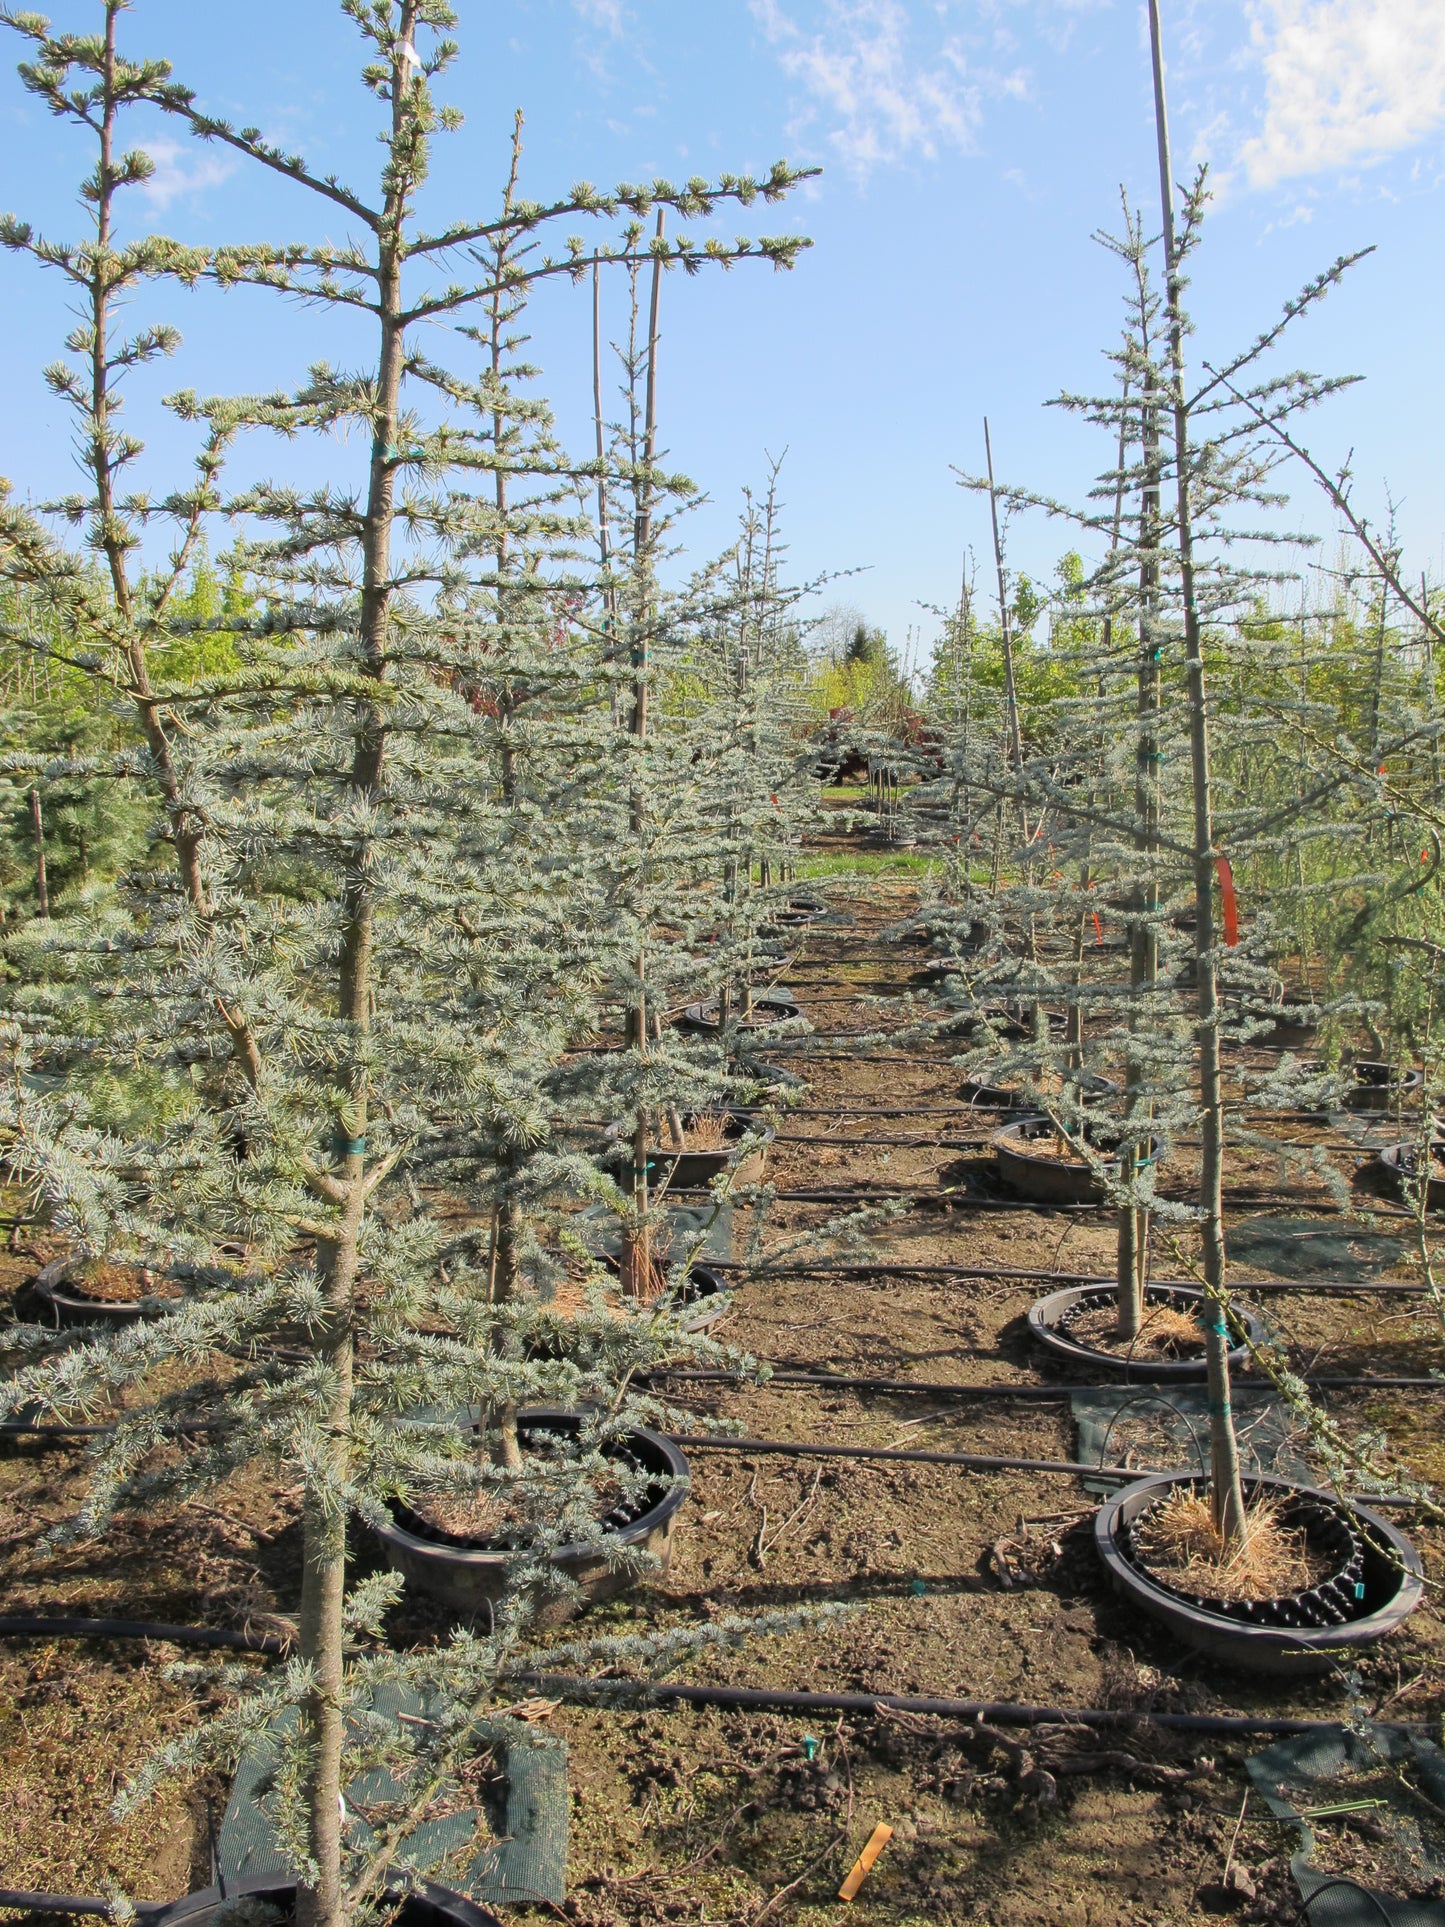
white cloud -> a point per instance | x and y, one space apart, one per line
882 92
606 14
183 170
1346 81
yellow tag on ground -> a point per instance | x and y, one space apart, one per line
879 1840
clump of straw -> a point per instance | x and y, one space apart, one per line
1178 1540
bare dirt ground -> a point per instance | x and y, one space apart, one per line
710 1815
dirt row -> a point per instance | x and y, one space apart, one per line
953 1583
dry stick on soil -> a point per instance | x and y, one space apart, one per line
811 1868
1234 1840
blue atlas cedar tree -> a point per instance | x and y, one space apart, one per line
351 968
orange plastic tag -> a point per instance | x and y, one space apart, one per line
1229 901
880 1837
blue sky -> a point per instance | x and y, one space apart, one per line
970 148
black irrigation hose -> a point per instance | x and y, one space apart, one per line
954 1200
976 1461
995 1712
12 1899
1302 1287
42 1625
926 1388
15 1429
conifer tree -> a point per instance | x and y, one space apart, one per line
347 816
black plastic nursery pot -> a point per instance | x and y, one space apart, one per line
683 1170
796 914
1380 1087
703 1295
1051 1319
72 1305
1400 1162
769 963
425 1906
773 1007
1295 1025
939 969
982 1096
1015 1022
1032 1174
1375 1582
466 1575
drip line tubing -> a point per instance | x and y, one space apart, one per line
975 1201
1002 1389
12 1899
976 1461
1304 1287
17 1429
44 1625
892 1143
995 1712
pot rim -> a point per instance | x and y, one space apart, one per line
47 1281
1016 1146
1140 1370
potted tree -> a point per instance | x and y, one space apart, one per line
320 786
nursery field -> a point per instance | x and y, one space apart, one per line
968 1584
657 1264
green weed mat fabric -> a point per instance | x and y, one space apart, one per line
1293 1775
1306 1248
528 1865
1166 1427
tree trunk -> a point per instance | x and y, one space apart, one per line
323 1579
1144 937
1226 1490
41 889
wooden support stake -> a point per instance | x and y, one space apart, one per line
863 1864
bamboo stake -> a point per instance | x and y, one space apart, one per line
40 885
1226 1489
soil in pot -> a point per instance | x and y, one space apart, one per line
771 1008
701 1287
1081 1326
107 1290
983 1096
1295 1023
466 1571
1354 1579
115 1281
485 1522
1015 1023
709 1147
486 1519
1039 1163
